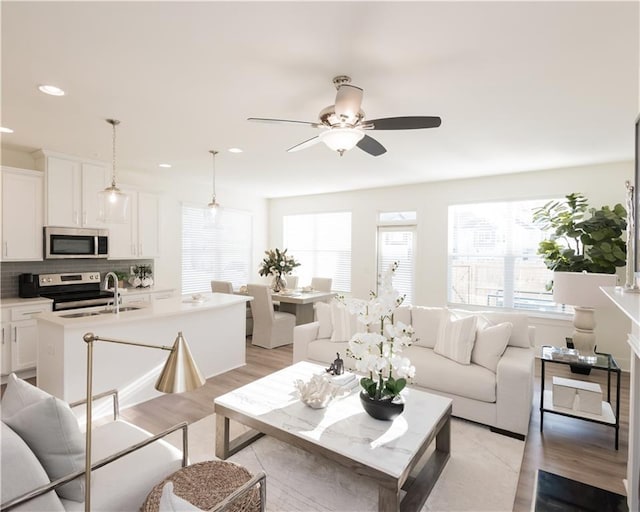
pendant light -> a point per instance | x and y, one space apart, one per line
114 204
214 207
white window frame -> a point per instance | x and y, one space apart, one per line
390 227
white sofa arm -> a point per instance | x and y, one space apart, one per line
514 393
302 336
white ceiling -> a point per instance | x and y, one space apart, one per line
519 86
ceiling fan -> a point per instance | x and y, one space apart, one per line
343 124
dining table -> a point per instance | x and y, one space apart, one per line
298 302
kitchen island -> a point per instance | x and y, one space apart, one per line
214 328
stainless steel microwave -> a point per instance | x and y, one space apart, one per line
63 243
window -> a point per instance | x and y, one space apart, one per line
221 251
321 243
396 242
493 257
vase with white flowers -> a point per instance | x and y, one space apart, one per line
378 351
277 264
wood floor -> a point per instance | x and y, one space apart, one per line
569 447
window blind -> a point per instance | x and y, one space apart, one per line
398 244
493 258
321 242
221 251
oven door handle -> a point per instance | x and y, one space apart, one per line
74 304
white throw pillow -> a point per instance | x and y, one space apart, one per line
341 320
323 316
19 394
22 472
428 325
490 344
519 332
457 341
51 430
169 502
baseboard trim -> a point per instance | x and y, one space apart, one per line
520 437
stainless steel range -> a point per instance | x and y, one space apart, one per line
73 290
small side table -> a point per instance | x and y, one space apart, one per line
598 361
206 484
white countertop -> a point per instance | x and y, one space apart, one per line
137 291
179 305
19 301
628 302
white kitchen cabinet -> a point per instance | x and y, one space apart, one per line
139 236
22 214
71 189
20 337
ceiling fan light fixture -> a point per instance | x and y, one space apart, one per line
342 139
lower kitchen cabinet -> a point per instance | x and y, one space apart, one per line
20 337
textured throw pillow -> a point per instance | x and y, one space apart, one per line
22 472
169 502
341 320
428 325
457 341
19 394
51 430
490 344
519 332
323 316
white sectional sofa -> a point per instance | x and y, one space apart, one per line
494 387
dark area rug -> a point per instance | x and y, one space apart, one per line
557 493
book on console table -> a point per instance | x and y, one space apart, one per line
347 380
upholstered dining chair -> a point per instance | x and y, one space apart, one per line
321 284
221 287
270 328
292 282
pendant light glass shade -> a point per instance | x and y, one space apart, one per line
342 139
113 203
213 206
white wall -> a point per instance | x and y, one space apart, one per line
602 184
173 191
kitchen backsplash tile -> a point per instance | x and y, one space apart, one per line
11 270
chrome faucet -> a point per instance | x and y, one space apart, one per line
116 302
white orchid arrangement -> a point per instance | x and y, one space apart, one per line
378 352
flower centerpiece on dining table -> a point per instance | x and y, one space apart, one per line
277 264
378 351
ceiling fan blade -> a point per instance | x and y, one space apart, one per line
371 146
348 101
269 120
303 145
403 123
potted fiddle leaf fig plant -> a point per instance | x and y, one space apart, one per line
582 239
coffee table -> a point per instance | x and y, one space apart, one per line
388 452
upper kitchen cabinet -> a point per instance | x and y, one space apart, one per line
71 189
22 218
139 237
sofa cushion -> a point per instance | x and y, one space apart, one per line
18 394
490 344
442 374
428 325
458 338
520 321
22 472
51 431
325 350
125 483
341 321
403 314
323 316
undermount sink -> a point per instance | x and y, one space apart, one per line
81 314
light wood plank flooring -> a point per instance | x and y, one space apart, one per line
569 447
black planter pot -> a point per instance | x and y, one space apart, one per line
381 409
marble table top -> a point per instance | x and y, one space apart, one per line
342 427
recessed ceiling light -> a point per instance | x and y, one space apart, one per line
5 130
51 90
235 150
165 166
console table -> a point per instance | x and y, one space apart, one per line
604 362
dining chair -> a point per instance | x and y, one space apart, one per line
270 328
292 282
221 287
321 284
